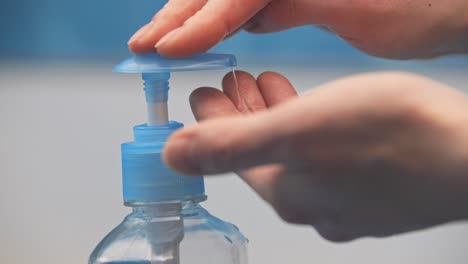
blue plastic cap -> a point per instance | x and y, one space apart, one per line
153 62
145 177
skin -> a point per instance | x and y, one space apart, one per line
376 154
369 155
398 29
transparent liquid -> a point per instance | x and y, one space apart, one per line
240 103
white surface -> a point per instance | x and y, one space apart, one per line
60 192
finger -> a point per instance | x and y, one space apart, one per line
170 17
263 179
283 14
208 103
242 89
225 145
232 34
275 88
140 33
216 20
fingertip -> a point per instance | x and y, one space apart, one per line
273 80
173 49
229 77
243 91
275 88
139 48
167 20
135 44
204 93
181 46
336 236
268 76
200 92
196 35
207 102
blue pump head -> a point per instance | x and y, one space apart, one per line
156 69
145 177
155 63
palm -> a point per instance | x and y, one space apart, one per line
248 96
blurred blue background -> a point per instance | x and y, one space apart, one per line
89 29
99 30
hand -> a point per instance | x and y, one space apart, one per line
395 29
368 155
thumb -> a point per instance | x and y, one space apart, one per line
226 144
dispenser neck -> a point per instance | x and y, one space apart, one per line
162 209
156 94
163 228
192 207
187 207
194 201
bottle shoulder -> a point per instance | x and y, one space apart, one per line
203 222
196 230
135 237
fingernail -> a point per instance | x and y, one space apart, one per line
140 33
167 37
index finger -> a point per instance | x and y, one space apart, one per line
170 17
215 20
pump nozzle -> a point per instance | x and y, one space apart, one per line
155 70
156 93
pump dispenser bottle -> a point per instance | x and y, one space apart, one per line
167 224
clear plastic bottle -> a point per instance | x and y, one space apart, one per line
208 239
150 234
167 224
154 234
